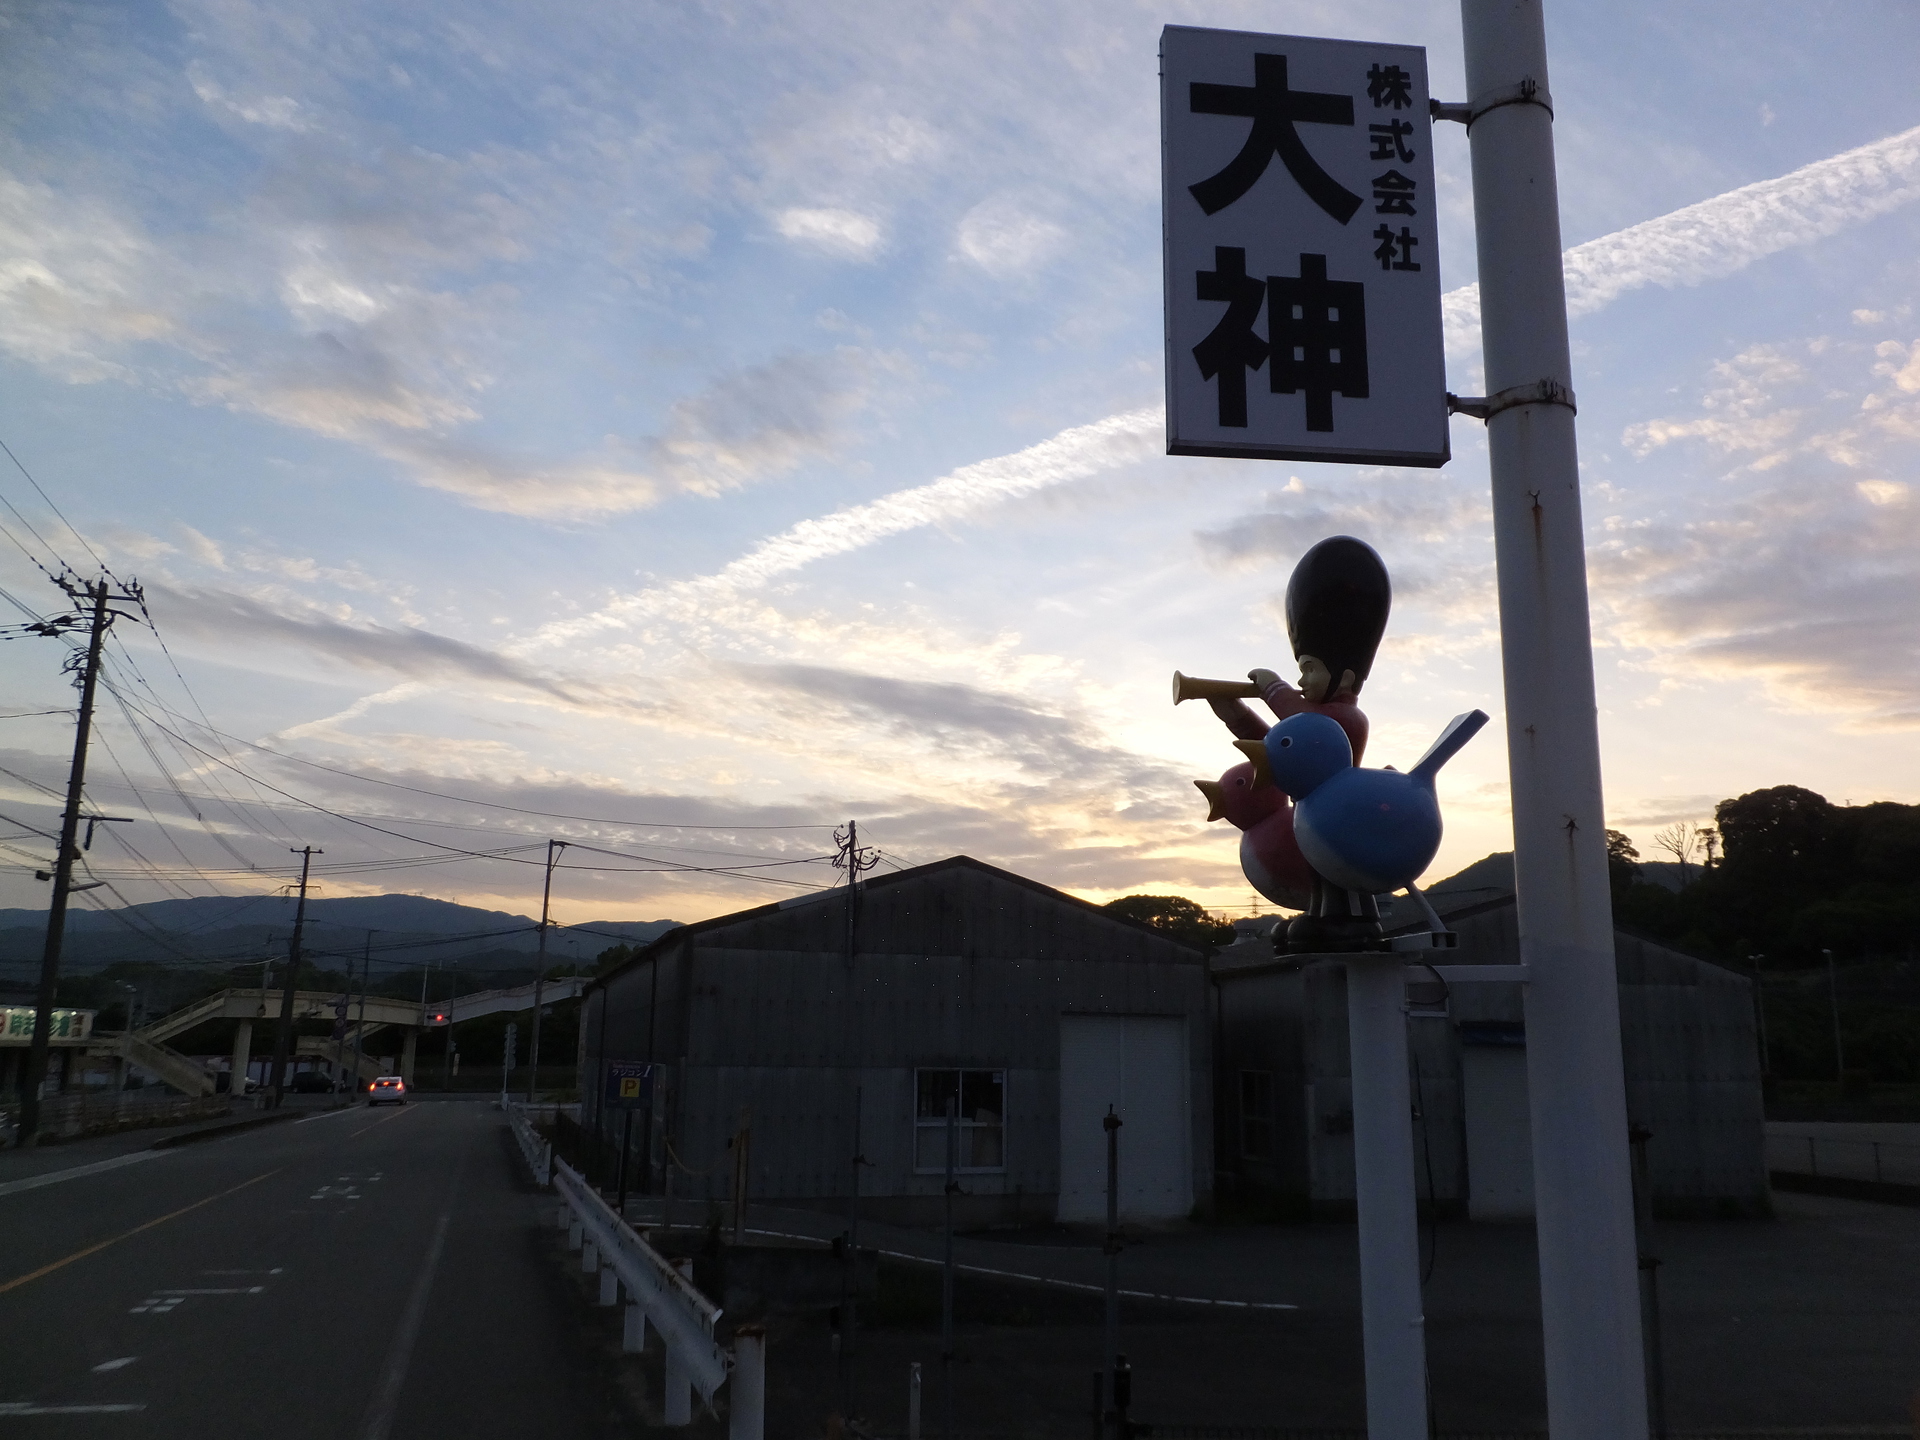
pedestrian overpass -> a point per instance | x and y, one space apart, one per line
147 1048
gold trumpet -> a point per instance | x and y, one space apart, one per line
1188 687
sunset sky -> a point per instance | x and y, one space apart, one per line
707 421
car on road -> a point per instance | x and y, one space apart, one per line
311 1082
387 1090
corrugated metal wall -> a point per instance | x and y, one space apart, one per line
766 1023
1687 1039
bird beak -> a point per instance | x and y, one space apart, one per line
1211 789
1256 751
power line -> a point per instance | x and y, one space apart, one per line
72 529
469 800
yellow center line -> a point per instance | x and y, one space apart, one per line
378 1123
20 1280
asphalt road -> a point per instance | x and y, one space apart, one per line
360 1273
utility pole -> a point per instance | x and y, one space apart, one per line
360 1029
283 1036
1109 1401
946 1274
855 860
99 596
554 847
1583 1189
850 1273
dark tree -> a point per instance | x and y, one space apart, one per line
1623 865
1176 916
1777 836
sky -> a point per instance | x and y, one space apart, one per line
680 429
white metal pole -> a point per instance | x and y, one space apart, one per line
1393 1326
1583 1194
747 1385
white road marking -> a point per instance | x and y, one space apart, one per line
223 1290
154 1305
277 1270
105 1365
54 1177
18 1407
329 1115
1058 1284
378 1421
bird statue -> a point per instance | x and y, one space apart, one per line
1270 858
1366 831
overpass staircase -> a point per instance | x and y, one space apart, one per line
147 1047
158 1059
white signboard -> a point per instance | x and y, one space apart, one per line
1303 283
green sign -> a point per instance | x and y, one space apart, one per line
71 1026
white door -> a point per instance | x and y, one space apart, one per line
1499 1135
1137 1064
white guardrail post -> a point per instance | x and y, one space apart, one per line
747 1398
662 1292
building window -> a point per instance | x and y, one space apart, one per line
1256 1115
979 1099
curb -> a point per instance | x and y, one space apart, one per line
215 1132
1886 1192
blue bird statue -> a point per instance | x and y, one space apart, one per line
1371 831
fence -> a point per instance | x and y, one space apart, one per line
82 1112
1844 1157
657 1291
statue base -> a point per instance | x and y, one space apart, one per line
1337 922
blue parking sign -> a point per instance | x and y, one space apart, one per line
629 1084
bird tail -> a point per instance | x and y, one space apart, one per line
1459 731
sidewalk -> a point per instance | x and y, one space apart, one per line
45 1158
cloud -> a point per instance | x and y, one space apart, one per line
279 112
1797 570
1688 245
74 277
1003 236
845 233
1431 511
747 425
1725 234
408 651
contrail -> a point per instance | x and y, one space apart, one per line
1714 238
1718 237
1070 455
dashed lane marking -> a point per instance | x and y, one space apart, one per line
327 1115
96 1248
219 1290
105 1365
378 1123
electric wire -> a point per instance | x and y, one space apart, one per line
483 804
71 529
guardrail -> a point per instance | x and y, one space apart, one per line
1845 1157
537 1149
657 1291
